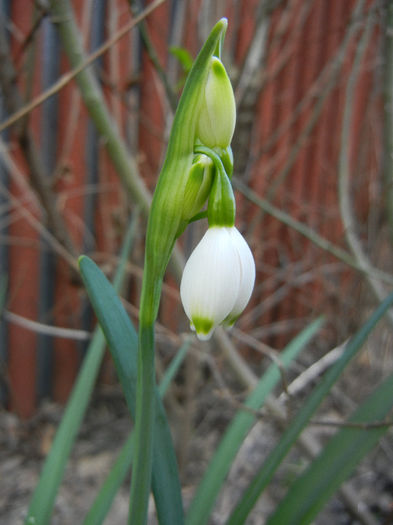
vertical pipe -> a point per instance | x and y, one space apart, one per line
388 114
50 73
92 144
97 34
4 261
134 91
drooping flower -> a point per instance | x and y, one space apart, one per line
217 280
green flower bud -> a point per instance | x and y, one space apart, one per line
222 207
217 116
198 186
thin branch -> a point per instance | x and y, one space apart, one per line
152 53
266 350
296 276
114 65
123 162
41 229
306 440
312 235
29 38
75 106
322 86
288 49
314 371
41 328
37 172
352 424
388 114
346 208
18 177
331 73
67 77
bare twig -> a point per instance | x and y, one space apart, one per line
314 371
296 276
388 113
41 328
18 177
39 17
312 235
306 441
346 208
171 95
322 86
352 424
38 175
123 162
266 350
67 77
40 228
73 115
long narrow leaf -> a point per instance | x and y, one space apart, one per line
238 429
41 504
301 419
122 341
337 461
103 501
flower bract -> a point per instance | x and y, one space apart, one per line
217 280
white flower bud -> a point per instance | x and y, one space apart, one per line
217 118
217 280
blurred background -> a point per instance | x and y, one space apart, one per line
313 85
80 155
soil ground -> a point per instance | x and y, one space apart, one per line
24 445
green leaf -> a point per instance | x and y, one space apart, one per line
337 461
103 501
183 56
237 431
122 341
43 499
302 417
41 504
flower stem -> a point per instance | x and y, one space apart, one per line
221 210
141 474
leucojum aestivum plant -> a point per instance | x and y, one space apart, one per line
195 183
219 276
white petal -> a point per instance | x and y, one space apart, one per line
211 280
247 275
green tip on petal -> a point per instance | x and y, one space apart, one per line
230 321
203 327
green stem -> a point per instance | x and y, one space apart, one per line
222 207
145 403
145 389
